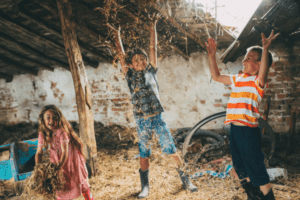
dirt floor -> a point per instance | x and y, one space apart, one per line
118 177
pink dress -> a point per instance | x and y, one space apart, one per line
74 169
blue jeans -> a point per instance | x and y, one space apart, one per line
158 125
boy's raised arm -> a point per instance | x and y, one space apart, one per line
153 39
264 65
119 47
214 70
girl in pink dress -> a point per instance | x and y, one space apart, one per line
57 135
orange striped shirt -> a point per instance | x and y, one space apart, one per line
244 100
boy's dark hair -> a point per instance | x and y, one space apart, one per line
259 50
134 52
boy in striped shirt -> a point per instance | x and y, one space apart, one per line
242 114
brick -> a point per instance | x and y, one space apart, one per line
274 107
218 100
277 102
287 119
285 74
218 105
277 91
268 92
280 85
279 119
272 74
279 79
288 78
118 109
288 90
281 51
293 85
226 95
282 96
202 101
295 94
119 99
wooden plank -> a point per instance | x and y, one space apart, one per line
30 50
56 32
91 33
82 90
18 66
31 62
8 23
7 77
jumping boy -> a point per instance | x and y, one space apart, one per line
147 108
242 114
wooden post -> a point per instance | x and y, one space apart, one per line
82 90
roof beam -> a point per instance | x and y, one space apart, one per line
37 53
47 6
3 49
6 22
179 27
56 32
8 78
18 66
173 47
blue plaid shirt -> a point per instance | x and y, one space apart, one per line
143 87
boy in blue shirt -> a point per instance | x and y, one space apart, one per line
147 108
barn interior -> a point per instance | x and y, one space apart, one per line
62 52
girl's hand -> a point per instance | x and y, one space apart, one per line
266 42
57 166
211 46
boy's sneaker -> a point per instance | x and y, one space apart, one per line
252 192
269 196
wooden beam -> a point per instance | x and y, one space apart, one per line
173 47
179 27
32 51
6 22
8 78
56 32
36 64
17 65
91 33
82 90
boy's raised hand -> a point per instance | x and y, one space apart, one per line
266 42
113 29
154 17
211 46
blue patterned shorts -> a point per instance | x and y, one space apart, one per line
162 132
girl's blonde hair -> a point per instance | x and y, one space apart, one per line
62 123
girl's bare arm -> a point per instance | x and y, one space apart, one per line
39 154
64 155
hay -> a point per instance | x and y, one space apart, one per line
45 180
118 177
